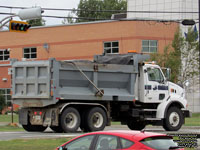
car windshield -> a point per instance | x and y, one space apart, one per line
160 142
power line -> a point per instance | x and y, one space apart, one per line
114 11
103 19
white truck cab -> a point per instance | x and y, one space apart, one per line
155 88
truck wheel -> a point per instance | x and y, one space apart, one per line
57 129
96 119
70 120
34 128
174 119
133 125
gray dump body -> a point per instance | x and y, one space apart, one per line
107 78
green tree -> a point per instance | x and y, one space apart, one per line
190 56
171 58
36 22
99 9
182 56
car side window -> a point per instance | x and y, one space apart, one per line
82 143
126 143
107 142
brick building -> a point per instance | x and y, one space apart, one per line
81 41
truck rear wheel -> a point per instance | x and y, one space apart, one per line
174 119
96 119
70 120
133 125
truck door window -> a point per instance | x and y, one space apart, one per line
154 74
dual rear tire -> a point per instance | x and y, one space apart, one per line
95 119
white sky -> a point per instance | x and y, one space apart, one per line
65 4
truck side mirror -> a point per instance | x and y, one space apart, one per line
168 73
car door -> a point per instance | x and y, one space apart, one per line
156 89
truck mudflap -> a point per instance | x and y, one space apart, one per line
187 113
23 116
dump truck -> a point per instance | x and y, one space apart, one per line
78 94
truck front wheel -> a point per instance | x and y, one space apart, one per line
70 120
96 119
174 119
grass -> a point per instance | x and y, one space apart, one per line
194 120
10 128
32 144
8 118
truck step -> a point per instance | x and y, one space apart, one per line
149 109
153 119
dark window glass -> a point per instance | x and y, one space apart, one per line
6 52
26 50
111 47
80 143
115 44
33 50
30 53
162 142
107 45
107 142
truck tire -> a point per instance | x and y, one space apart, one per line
95 119
57 129
174 119
34 128
70 120
133 125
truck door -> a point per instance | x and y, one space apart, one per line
156 89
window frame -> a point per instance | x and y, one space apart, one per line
149 46
105 49
30 53
3 55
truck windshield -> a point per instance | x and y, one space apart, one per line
160 142
154 74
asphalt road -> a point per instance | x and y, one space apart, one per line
50 134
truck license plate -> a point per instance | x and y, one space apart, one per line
38 117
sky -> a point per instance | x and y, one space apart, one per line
62 4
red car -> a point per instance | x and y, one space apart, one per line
121 140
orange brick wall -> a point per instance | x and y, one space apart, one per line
83 41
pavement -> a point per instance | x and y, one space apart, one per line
185 130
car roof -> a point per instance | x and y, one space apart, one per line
130 134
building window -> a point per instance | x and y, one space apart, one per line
7 96
111 47
30 52
4 55
149 46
